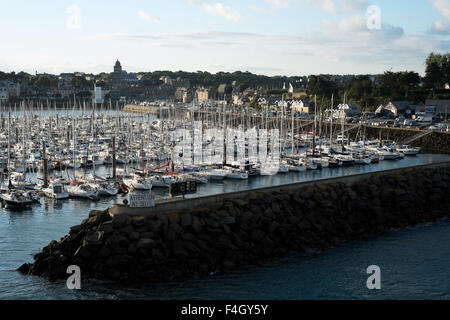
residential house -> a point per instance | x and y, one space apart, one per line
396 108
249 92
65 87
239 99
202 95
223 90
4 96
300 106
183 95
350 109
10 90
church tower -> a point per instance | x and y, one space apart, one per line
117 76
118 67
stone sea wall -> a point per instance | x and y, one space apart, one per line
195 242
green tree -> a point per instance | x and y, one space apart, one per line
42 82
321 85
433 73
54 82
81 82
408 81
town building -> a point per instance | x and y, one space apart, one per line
440 108
65 87
301 106
183 95
202 95
10 90
223 90
396 109
4 96
350 109
118 76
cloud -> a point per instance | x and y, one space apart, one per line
226 12
439 28
329 6
340 46
192 2
145 16
325 5
254 7
442 6
279 3
353 5
355 28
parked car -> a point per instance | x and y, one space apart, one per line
407 122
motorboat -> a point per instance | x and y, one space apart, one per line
236 174
55 190
310 165
214 174
162 181
16 199
408 150
361 158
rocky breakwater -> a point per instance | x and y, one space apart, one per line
437 142
235 231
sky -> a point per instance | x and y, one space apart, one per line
271 37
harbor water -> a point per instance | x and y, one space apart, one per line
414 263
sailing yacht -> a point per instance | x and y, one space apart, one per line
85 191
137 182
296 166
214 174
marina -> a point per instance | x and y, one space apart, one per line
224 156
95 154
49 211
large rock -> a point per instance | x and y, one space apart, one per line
186 220
174 217
228 220
197 224
120 221
145 243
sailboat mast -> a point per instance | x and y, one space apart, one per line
314 131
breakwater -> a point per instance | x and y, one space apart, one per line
433 142
220 233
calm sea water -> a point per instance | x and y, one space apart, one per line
414 263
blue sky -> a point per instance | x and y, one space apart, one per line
288 37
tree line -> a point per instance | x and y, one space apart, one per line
371 91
